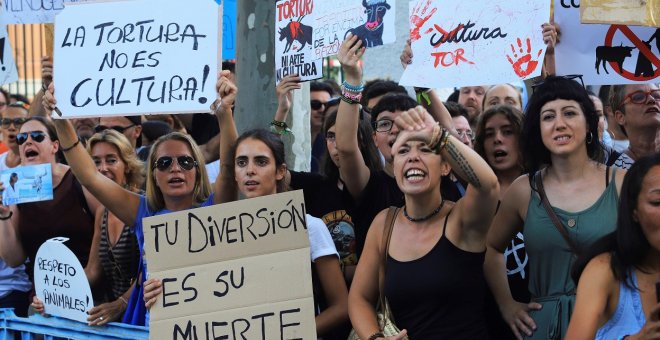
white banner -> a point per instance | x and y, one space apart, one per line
137 57
605 54
30 12
371 20
60 281
461 43
8 73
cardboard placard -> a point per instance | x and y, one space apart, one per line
140 57
243 260
460 43
620 12
30 183
605 54
60 281
372 20
294 39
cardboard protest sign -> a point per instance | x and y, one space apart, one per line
60 281
25 184
30 12
294 37
460 43
621 12
8 73
137 57
237 268
371 20
605 54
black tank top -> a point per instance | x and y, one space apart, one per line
440 295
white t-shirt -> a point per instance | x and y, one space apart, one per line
320 241
3 161
213 170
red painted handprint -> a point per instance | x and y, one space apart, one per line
418 19
519 66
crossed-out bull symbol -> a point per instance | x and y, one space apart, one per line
615 54
371 32
296 31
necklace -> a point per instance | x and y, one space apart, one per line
421 219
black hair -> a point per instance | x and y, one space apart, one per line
320 86
336 89
272 141
457 110
6 94
627 245
534 152
379 87
19 98
453 97
229 65
365 143
604 94
392 102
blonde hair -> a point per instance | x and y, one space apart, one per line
202 189
134 166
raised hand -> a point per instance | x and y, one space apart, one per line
46 71
226 90
550 36
524 65
349 55
284 92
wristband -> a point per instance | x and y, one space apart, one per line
376 336
352 88
72 146
11 213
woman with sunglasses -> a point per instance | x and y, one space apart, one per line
176 180
560 147
114 256
69 214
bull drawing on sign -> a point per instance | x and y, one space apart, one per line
615 54
296 31
371 32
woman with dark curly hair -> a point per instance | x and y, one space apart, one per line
560 147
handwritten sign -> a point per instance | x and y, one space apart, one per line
372 20
31 12
60 281
29 183
294 38
8 73
137 60
461 43
605 54
621 12
238 268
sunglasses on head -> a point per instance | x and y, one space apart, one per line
574 77
317 104
117 128
37 136
165 162
6 122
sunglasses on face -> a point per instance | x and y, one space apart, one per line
117 128
639 97
7 122
317 104
37 136
165 162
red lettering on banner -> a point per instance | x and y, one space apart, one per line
294 8
447 59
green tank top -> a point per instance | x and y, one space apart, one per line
551 259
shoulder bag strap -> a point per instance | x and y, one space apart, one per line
551 213
387 236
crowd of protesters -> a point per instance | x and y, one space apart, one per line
512 218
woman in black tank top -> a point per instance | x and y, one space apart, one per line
432 276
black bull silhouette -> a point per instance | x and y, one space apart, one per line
616 54
371 32
296 31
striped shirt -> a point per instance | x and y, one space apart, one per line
120 261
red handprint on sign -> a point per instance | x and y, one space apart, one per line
519 66
418 19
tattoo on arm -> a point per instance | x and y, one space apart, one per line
463 164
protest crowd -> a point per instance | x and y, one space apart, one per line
490 214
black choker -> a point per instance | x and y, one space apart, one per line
421 219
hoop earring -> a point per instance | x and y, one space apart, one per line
590 137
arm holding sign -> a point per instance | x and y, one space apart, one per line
11 250
225 184
121 202
551 38
37 108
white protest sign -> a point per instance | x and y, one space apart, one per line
294 39
464 43
605 54
137 57
31 11
371 20
237 268
60 281
621 12
8 73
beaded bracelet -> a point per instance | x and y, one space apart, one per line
352 88
352 96
280 128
